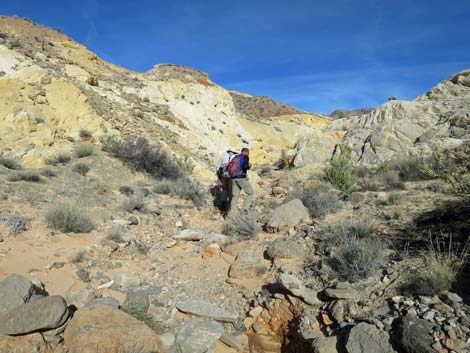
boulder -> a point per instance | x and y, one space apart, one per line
202 308
283 248
325 344
249 262
198 337
413 335
288 215
33 343
126 280
366 338
298 289
106 330
14 291
41 315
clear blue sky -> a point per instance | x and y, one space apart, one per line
316 55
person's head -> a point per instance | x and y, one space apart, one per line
245 151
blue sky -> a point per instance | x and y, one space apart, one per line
316 55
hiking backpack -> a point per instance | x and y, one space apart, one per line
234 167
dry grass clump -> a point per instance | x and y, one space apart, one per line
68 218
319 199
357 258
357 227
9 163
60 158
242 225
443 262
116 233
25 175
81 168
182 187
84 150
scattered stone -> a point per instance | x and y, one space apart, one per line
366 338
381 311
287 216
55 265
235 342
276 191
133 220
202 308
14 291
215 238
80 298
298 289
190 235
198 337
126 280
443 308
106 285
41 315
16 224
104 301
453 297
106 330
429 315
341 293
249 263
83 275
322 344
284 248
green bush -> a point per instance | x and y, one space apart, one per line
185 164
182 187
242 225
81 168
84 150
110 142
25 175
357 258
340 172
319 199
69 218
9 163
60 158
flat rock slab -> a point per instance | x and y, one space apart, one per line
106 330
190 235
298 289
366 338
198 337
341 293
202 308
41 315
15 290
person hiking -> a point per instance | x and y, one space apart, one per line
240 181
224 182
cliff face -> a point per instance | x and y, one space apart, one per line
51 87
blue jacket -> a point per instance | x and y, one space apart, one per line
245 165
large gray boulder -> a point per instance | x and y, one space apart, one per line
198 337
283 248
366 338
413 335
14 291
41 315
288 215
204 309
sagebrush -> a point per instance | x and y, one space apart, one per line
68 217
182 187
84 150
319 199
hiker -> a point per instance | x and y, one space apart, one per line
240 181
224 182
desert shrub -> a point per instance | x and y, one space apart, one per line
132 203
85 134
60 158
265 171
182 187
78 257
392 181
126 190
9 163
25 175
409 168
438 166
110 142
357 258
48 172
340 173
319 199
443 261
362 171
357 227
69 218
394 198
84 150
116 233
242 225
185 164
369 184
81 168
142 156
461 184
